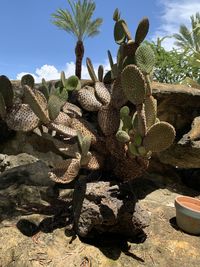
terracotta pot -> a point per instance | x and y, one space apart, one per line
188 214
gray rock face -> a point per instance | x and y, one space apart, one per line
177 104
25 168
103 207
180 106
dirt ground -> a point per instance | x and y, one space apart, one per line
165 244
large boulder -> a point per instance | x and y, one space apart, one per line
107 207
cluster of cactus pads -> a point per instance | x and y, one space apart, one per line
128 130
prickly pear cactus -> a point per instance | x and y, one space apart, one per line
130 135
125 131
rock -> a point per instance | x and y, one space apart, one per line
25 168
107 207
177 104
193 134
182 156
34 145
186 153
165 244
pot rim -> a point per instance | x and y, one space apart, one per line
177 201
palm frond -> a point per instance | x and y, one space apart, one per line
187 35
195 21
79 21
92 28
64 20
189 39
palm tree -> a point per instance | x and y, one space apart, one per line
189 40
79 23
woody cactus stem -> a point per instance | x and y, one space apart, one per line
142 128
79 51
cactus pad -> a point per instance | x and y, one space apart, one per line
63 130
85 128
116 15
71 109
122 136
67 148
118 98
54 106
126 30
65 171
109 120
133 84
150 110
145 58
119 34
63 119
100 73
142 30
28 79
159 137
91 70
102 93
88 100
2 107
38 103
72 83
6 90
110 59
22 118
129 168
95 162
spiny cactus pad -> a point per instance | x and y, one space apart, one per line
28 79
100 73
126 30
142 30
54 106
119 33
145 58
133 84
102 93
38 103
116 15
67 148
72 83
2 107
62 129
118 98
65 171
63 119
133 149
91 70
141 120
6 90
128 168
85 128
110 59
85 145
122 136
150 104
109 120
71 109
88 100
95 162
22 118
159 137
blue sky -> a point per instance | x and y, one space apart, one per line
30 43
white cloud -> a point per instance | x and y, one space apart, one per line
50 72
174 13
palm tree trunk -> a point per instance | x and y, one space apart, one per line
79 51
